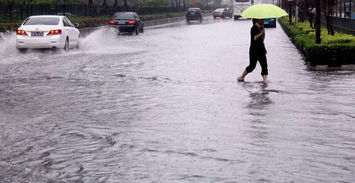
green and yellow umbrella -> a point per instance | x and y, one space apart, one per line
262 11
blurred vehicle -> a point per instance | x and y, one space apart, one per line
270 22
222 12
239 6
128 22
194 14
47 31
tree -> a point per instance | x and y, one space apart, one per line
318 23
10 6
350 9
328 9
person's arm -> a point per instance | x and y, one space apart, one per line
259 35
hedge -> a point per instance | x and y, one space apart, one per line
334 51
85 22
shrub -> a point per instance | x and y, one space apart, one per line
4 27
334 51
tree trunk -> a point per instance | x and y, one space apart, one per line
317 24
344 9
350 9
31 7
336 8
125 4
10 6
331 26
327 18
331 18
63 6
341 9
290 13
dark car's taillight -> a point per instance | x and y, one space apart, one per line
131 22
112 22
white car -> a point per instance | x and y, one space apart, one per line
47 32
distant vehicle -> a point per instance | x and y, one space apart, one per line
47 31
128 22
194 14
239 6
270 22
222 12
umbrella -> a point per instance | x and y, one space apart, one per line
262 11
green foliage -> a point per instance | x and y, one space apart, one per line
9 25
334 50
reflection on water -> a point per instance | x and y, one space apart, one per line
259 99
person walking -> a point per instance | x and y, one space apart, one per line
257 51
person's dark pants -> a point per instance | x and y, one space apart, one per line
253 60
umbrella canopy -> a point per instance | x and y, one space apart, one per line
262 11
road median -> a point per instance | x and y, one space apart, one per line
334 53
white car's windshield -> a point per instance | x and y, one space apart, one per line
42 21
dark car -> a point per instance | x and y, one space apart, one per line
194 14
270 22
222 12
128 22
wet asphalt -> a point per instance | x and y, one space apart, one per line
165 106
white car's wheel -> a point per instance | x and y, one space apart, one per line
66 45
78 42
22 50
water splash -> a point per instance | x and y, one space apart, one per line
107 41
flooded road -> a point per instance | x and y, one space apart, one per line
165 106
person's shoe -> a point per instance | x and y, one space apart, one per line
240 79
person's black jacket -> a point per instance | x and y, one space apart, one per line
256 46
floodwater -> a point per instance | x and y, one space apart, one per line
165 106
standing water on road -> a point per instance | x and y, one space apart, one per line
165 106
